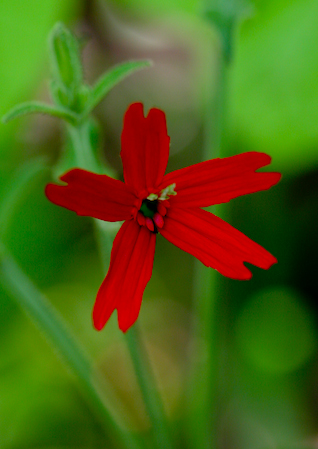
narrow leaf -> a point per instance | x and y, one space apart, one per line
110 79
65 57
42 108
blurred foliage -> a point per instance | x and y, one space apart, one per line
275 84
275 331
267 327
24 29
144 8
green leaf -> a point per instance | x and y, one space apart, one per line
65 58
274 91
110 79
59 94
42 108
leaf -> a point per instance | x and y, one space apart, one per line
110 79
65 57
42 108
274 87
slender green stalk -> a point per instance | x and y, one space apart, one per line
203 388
143 370
85 156
148 388
18 285
215 117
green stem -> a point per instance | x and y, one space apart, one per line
148 387
81 141
203 381
144 375
215 118
20 287
104 234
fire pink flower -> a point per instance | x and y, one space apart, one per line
151 202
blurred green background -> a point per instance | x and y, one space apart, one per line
267 343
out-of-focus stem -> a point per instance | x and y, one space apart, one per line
203 382
148 388
215 117
20 287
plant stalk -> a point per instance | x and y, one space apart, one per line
150 393
202 395
20 287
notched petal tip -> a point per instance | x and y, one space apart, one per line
266 265
50 192
133 114
215 243
262 158
98 324
276 177
70 175
246 275
124 327
270 262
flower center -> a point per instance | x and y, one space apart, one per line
154 208
149 208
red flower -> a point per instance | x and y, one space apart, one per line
151 202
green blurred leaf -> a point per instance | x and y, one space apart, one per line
155 7
276 332
65 58
110 79
31 107
24 27
274 95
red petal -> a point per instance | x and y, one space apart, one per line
97 196
219 180
137 277
129 272
145 147
214 242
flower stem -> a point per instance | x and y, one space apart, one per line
81 140
202 396
142 367
148 388
18 285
